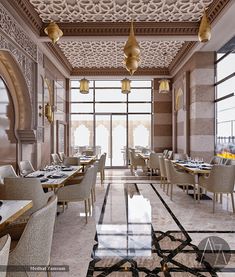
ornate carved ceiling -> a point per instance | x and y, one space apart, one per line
165 29
120 10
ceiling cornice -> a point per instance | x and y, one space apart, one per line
118 72
216 8
187 47
123 28
27 12
60 55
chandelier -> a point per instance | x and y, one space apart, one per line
164 86
84 86
126 86
204 33
53 31
132 52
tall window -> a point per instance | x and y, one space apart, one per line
225 103
109 121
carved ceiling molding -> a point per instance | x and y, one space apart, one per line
118 72
59 55
181 55
123 29
28 13
215 8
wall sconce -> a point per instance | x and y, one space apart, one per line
204 33
164 86
47 111
126 86
53 31
84 86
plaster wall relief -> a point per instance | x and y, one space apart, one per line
119 10
109 54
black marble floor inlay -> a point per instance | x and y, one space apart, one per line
129 243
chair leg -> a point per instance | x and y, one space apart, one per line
232 202
214 198
85 201
48 273
171 190
92 197
167 188
89 206
221 198
103 175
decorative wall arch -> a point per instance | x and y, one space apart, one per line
15 81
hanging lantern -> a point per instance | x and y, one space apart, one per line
126 86
53 31
164 86
132 52
204 33
84 86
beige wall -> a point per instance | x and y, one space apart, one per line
193 126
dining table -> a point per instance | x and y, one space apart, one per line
54 178
11 210
86 161
196 168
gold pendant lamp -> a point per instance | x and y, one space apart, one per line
164 86
53 31
126 86
132 52
84 86
204 33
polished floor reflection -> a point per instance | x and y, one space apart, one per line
136 230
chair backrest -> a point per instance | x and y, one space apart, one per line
101 163
72 161
56 159
216 160
89 152
169 170
162 166
6 171
169 155
222 178
180 156
26 189
26 167
4 252
164 154
62 156
34 246
154 160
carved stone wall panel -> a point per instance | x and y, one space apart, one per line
11 28
119 10
109 54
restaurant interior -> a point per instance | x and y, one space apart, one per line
117 138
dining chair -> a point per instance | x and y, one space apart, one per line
216 160
5 171
164 153
27 189
72 161
162 172
4 252
175 177
62 156
180 156
25 167
153 162
220 180
56 159
79 192
34 245
101 166
136 161
169 155
89 152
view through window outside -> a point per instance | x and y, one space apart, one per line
106 120
225 103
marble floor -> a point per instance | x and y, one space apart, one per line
136 230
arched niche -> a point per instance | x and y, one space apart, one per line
14 79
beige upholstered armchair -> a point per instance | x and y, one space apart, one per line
175 177
26 167
62 156
101 166
34 245
79 192
5 171
4 252
71 161
136 161
153 163
220 180
56 159
27 189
